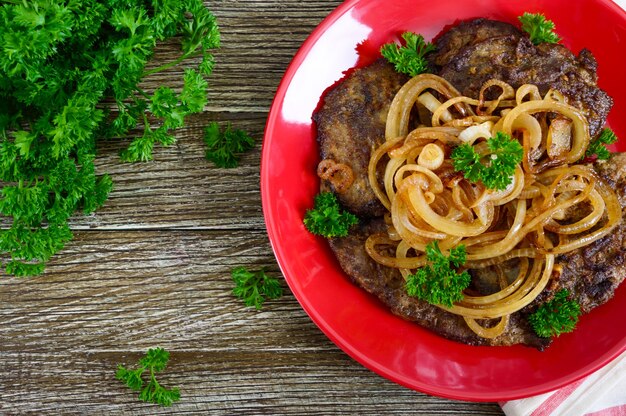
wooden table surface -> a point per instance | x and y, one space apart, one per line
152 268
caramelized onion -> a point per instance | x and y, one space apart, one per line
338 174
527 224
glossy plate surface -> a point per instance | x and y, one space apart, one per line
357 322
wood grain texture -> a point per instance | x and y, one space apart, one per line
152 267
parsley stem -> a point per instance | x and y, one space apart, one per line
146 122
172 63
143 93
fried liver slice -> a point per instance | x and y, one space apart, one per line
499 51
351 123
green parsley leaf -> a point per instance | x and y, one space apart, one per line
255 287
140 149
409 59
224 146
167 16
193 96
207 64
155 358
163 101
155 393
327 218
598 146
539 28
21 269
132 378
439 283
23 141
504 155
130 19
556 316
154 361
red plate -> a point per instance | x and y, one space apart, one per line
357 322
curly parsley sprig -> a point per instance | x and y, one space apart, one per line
556 316
327 218
255 287
224 145
597 148
540 29
154 361
495 168
409 59
439 283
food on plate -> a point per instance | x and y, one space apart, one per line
476 198
328 218
507 54
357 108
409 59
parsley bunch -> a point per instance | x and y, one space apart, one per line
254 288
411 58
539 28
327 218
439 283
505 154
557 316
64 65
598 146
154 361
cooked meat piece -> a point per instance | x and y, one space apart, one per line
387 284
351 119
594 272
591 274
351 122
514 59
467 33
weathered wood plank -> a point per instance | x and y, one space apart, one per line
242 383
111 295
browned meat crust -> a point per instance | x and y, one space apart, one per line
468 33
501 52
351 122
